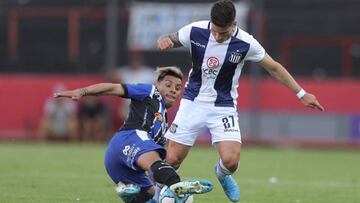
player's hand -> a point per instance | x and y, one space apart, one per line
310 101
72 94
165 43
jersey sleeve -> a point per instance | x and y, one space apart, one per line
138 91
184 35
256 52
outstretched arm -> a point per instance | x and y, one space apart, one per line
280 73
92 90
169 41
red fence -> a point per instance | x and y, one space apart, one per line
341 96
23 97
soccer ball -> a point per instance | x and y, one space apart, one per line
166 196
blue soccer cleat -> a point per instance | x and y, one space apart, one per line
191 187
230 187
127 192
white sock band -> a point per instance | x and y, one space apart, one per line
221 171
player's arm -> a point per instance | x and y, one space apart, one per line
93 90
281 74
169 41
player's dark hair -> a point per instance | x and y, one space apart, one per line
223 13
170 70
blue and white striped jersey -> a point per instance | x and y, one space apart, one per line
216 67
147 111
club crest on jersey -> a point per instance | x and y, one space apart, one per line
213 62
235 57
158 116
173 127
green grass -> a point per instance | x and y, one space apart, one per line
74 173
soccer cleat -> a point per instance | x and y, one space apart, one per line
231 188
191 187
127 192
166 195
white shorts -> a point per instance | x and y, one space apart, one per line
193 117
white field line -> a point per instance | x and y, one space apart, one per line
323 183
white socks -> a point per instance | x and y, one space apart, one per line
158 188
221 171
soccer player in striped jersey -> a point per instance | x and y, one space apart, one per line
218 50
137 147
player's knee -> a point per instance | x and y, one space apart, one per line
164 173
174 160
230 162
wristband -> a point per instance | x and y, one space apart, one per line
301 93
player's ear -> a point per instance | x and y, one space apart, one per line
157 85
234 24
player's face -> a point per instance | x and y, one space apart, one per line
170 89
222 34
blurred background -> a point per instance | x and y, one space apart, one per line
47 46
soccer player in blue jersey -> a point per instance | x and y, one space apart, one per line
137 147
219 50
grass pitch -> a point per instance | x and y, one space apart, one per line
56 173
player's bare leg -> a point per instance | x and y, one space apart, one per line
229 152
176 153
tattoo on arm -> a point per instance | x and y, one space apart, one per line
175 39
84 91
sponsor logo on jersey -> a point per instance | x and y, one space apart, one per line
126 150
235 57
230 130
210 71
173 128
130 152
212 62
197 44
